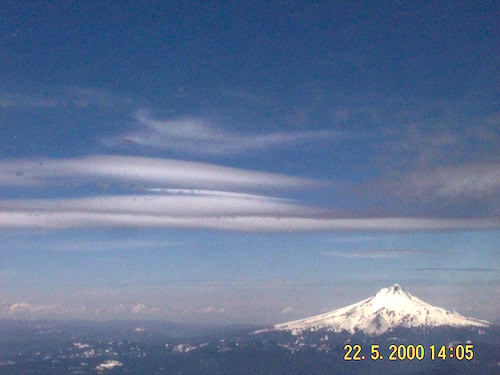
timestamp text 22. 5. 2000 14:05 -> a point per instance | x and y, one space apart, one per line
410 352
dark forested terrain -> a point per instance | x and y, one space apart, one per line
157 348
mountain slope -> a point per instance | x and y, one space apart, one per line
390 308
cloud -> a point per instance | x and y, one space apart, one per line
27 308
440 133
139 308
376 254
213 310
477 180
182 204
470 190
80 216
287 310
141 170
20 308
179 194
469 269
95 310
196 136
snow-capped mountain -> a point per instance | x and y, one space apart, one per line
390 308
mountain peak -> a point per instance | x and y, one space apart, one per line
396 289
390 308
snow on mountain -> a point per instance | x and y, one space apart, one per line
389 308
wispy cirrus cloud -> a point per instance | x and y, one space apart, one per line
431 133
476 180
377 253
469 190
196 136
450 269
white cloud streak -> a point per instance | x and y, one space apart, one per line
142 170
187 206
33 217
194 135
376 254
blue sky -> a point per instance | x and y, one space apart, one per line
247 163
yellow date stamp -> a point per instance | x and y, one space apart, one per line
409 352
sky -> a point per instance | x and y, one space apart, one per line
247 162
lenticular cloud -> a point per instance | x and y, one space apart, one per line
142 170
